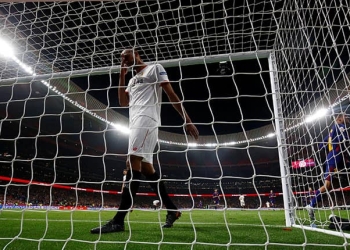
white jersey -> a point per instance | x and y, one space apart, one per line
145 93
241 198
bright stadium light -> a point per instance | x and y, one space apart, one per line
121 128
229 143
6 49
319 114
271 135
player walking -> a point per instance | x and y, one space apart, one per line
272 197
216 198
143 95
241 201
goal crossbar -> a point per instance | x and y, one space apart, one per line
115 69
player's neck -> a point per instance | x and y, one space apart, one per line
140 67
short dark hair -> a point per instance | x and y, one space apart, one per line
131 50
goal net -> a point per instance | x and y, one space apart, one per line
262 80
311 54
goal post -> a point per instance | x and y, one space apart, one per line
281 142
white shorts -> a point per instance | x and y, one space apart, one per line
242 204
143 138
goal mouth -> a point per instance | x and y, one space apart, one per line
264 82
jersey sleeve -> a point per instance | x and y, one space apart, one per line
161 74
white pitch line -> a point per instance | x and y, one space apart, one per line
147 222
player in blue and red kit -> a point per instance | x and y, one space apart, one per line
272 197
216 198
334 143
310 195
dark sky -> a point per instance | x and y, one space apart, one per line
232 103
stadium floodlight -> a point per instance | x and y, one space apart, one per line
121 128
318 114
231 143
192 144
26 68
6 49
271 135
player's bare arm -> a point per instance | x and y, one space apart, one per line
122 95
174 99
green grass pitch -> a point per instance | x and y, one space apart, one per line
198 229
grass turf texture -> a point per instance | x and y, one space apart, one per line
199 229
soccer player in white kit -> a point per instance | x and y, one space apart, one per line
125 172
143 95
241 200
156 204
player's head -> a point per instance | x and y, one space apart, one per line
125 171
271 191
310 188
342 118
131 57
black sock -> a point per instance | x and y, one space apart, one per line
126 199
160 190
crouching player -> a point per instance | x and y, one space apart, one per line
334 143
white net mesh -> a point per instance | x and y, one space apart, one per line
64 136
56 37
312 55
